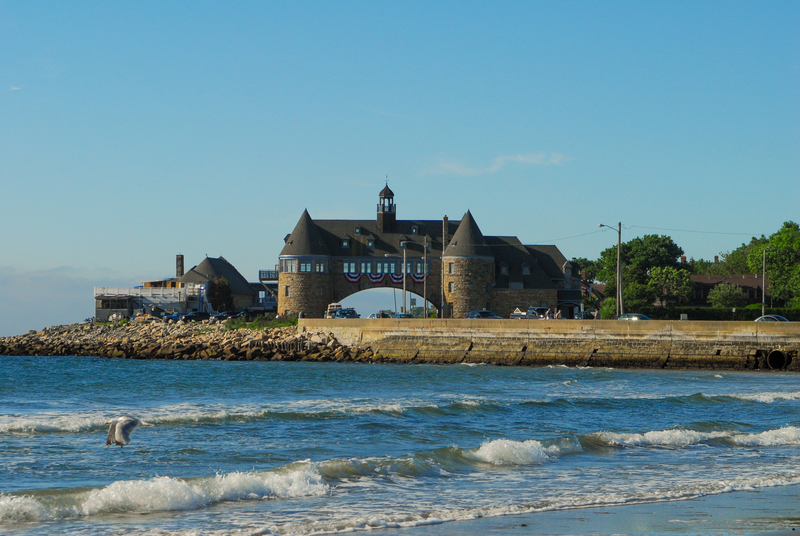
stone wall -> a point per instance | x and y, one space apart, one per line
309 293
503 301
472 280
603 343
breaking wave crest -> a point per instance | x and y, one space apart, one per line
789 435
162 494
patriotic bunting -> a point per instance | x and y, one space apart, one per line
353 278
419 278
376 278
396 278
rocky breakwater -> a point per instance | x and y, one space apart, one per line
155 339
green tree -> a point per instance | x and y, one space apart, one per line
670 285
639 256
783 263
219 294
727 295
585 265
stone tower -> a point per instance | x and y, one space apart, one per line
387 217
467 269
305 282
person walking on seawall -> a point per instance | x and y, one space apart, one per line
558 315
548 314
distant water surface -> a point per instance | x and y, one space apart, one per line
308 448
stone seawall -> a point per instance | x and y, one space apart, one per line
609 343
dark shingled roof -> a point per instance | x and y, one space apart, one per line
468 240
509 250
305 239
386 192
333 231
550 259
212 268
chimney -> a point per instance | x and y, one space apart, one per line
444 233
716 259
683 259
583 275
178 266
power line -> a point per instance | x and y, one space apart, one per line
688 231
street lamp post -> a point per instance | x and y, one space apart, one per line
620 306
425 278
403 246
764 281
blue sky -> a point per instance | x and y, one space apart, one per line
130 132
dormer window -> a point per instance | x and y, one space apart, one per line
345 243
414 229
370 243
526 269
503 269
358 230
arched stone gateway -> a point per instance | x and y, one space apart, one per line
325 261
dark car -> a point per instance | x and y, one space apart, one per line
771 318
224 316
173 316
404 315
632 316
482 314
346 313
195 316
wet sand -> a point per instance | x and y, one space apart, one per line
767 511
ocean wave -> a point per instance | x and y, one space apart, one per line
789 435
531 451
163 494
768 397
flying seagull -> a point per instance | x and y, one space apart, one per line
119 433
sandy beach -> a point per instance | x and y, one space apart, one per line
767 511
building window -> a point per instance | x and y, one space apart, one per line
366 267
450 268
345 243
370 243
414 229
358 230
393 268
290 265
286 290
349 267
526 269
503 269
320 267
306 266
419 267
450 286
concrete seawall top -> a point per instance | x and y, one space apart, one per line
365 331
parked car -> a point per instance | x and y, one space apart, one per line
536 312
585 315
346 313
482 314
225 315
173 316
196 316
771 318
404 315
632 316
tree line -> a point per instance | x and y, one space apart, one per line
653 273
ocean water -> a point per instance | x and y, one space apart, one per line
327 448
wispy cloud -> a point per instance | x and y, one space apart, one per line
14 88
446 166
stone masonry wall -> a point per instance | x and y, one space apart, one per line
472 281
309 293
503 301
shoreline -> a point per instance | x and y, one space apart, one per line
409 342
763 511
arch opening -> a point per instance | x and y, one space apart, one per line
777 360
373 301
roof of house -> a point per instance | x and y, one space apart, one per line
468 240
212 268
509 251
742 280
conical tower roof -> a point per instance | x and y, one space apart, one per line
468 240
386 192
305 239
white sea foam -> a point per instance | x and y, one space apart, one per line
769 397
789 435
676 438
508 452
165 494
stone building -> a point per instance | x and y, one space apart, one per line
450 264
